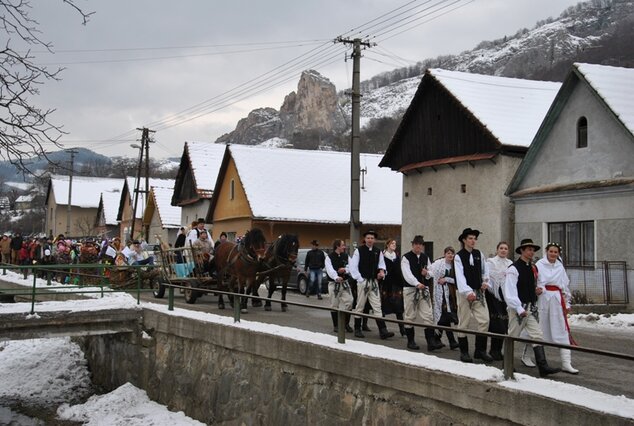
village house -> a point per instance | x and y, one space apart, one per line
86 196
196 179
458 146
162 219
126 205
576 184
106 219
301 192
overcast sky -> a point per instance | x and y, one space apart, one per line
138 63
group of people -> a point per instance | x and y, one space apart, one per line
521 298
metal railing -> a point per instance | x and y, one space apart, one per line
603 282
104 285
509 341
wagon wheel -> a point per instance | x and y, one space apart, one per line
190 294
158 289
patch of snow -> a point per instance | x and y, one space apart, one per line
622 321
274 143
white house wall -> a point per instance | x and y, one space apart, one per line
442 216
194 211
609 154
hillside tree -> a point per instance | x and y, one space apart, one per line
25 127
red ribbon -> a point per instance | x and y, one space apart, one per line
563 310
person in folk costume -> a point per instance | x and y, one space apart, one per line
417 296
498 317
473 279
554 303
445 303
392 285
520 294
338 289
367 267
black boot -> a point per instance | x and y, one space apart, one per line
348 328
481 349
496 349
411 343
432 343
464 349
364 325
357 328
542 365
452 341
335 321
384 333
401 327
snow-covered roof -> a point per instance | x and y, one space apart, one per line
511 108
615 86
22 186
314 186
110 200
170 215
25 198
86 191
131 180
205 159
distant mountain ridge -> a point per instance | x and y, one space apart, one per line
595 31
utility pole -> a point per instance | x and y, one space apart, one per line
145 146
355 145
72 153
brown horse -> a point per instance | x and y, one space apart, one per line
277 265
240 262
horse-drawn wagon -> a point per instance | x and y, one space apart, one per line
184 267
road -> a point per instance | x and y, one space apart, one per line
609 375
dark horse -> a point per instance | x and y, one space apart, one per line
240 262
278 263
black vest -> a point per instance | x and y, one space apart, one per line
525 282
472 274
416 264
368 262
338 261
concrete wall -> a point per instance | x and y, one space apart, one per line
442 216
231 376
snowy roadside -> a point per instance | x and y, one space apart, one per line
617 405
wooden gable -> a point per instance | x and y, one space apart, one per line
185 191
229 200
436 127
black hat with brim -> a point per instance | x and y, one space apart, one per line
468 231
371 232
527 242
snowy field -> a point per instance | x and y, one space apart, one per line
54 372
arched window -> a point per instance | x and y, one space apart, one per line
582 133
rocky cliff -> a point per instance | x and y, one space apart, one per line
308 118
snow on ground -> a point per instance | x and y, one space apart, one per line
617 405
621 321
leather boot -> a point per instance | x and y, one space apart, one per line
432 343
384 333
401 327
335 321
542 364
411 343
348 328
496 349
481 349
526 357
566 366
452 341
357 328
364 325
464 349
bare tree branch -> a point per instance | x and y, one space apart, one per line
25 128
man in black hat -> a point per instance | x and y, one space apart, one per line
314 264
367 267
472 278
415 267
194 234
520 294
338 287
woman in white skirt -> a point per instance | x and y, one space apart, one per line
554 303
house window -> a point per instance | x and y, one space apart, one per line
429 191
463 188
231 236
232 189
577 239
582 133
